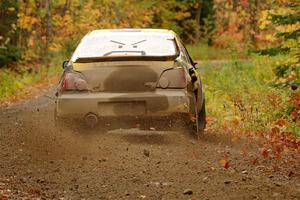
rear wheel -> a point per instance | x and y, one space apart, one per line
200 122
201 118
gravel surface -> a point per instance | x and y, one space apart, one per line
121 161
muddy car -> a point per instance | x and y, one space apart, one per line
130 73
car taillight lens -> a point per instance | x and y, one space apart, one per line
74 81
173 78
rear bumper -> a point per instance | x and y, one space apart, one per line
104 104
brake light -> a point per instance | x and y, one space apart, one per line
74 81
173 78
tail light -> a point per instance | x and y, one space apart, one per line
74 81
173 78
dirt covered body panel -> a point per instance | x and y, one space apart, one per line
158 103
122 76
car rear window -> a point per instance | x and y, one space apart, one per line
124 44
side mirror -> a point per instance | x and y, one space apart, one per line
65 64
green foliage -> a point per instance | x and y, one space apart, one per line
240 99
9 54
176 15
290 35
9 49
273 51
9 11
207 22
203 51
13 82
285 18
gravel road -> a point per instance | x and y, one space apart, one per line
120 161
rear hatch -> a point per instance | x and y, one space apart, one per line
123 76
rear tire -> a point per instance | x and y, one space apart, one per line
199 124
202 118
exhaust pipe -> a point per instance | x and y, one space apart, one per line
91 120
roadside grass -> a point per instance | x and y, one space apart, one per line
16 85
240 97
203 51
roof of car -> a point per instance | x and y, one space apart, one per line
101 32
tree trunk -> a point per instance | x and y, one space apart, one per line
48 28
66 7
49 21
254 10
198 16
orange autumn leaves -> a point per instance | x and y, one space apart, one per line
224 163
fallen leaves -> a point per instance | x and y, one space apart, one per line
265 153
224 163
281 123
254 161
275 130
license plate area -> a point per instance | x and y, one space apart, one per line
121 108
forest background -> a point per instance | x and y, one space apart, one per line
252 84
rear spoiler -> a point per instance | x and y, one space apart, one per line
126 58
